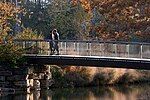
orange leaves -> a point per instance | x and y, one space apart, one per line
74 2
125 19
84 3
121 36
103 33
8 9
8 14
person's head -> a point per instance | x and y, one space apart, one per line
55 31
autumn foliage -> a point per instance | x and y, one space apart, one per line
10 54
8 15
85 4
124 19
120 19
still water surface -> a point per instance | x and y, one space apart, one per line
134 92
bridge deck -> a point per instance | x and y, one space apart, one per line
97 61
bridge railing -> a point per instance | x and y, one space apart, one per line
88 48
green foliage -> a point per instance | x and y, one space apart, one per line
10 55
61 14
69 20
36 17
57 73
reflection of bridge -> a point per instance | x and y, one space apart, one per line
89 53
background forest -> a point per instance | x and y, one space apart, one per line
121 20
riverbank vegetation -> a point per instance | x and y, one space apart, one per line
77 76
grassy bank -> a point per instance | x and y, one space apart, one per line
75 76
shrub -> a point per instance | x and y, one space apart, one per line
128 77
74 79
10 55
103 78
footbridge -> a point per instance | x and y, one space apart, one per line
132 55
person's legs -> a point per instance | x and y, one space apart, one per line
57 48
51 48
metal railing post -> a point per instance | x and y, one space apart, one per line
23 45
78 49
104 49
100 49
90 48
141 51
37 46
87 49
115 50
61 47
65 47
40 47
128 52
74 47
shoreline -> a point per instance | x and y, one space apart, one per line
28 78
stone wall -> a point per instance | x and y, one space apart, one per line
25 78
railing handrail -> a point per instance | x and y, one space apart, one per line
83 41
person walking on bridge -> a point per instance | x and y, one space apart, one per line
55 38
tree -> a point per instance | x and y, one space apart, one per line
36 17
8 16
125 19
69 18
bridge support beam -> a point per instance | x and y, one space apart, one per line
89 61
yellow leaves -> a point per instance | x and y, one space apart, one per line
28 34
8 9
8 14
121 35
84 3
138 33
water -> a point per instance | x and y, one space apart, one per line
134 92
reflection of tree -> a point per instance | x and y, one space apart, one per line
118 92
102 92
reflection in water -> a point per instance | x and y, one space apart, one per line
94 93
